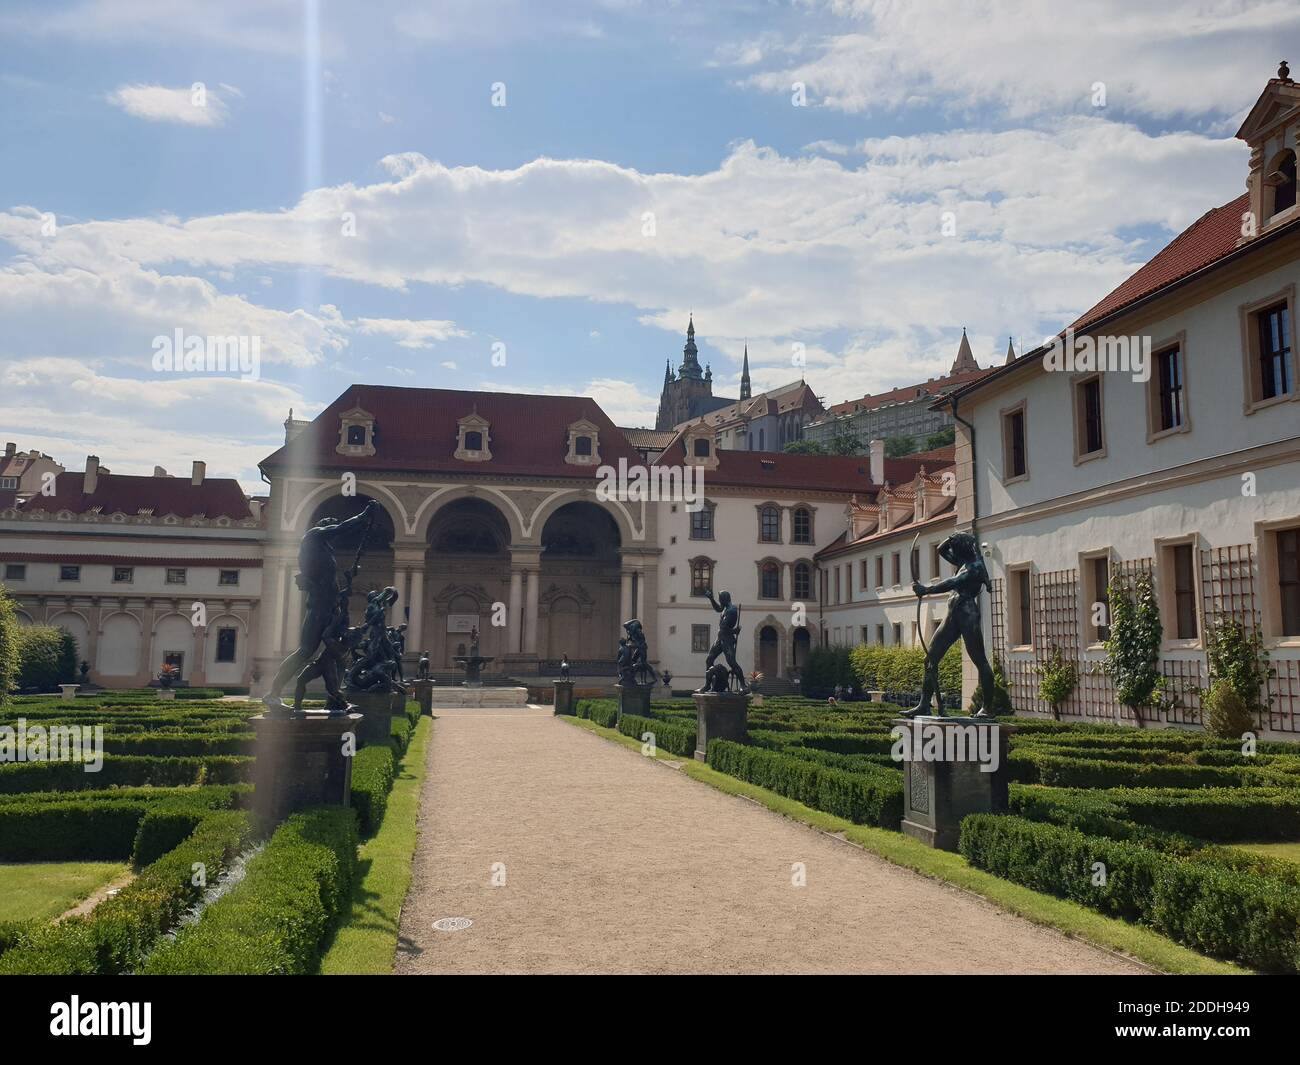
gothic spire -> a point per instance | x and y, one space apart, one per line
1011 352
690 367
745 390
965 360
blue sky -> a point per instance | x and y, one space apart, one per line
525 224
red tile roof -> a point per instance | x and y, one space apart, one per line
1210 237
216 497
649 439
908 393
415 429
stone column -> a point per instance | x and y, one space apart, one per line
415 624
514 634
530 619
293 618
625 599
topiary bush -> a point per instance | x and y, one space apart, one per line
9 637
373 771
1225 712
47 657
669 735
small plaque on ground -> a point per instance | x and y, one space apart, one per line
452 924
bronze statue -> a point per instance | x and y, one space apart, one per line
376 666
963 621
725 644
564 665
324 602
639 669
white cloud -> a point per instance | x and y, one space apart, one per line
192 106
386 119
409 333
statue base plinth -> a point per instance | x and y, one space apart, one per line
954 766
301 762
563 701
166 693
634 699
720 716
69 692
423 691
379 708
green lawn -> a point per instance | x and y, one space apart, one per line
366 941
1067 917
1290 851
42 890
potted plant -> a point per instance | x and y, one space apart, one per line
167 675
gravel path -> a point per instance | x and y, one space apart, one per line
615 864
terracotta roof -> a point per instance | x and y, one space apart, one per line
216 497
794 396
947 512
1210 237
415 429
909 393
649 439
939 456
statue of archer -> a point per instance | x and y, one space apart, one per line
963 620
324 610
725 644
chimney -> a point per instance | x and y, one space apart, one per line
10 449
877 461
158 471
255 508
91 481
200 468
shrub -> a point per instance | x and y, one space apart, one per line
120 932
373 772
127 770
399 734
9 636
1058 678
1226 713
274 922
47 657
1001 694
669 735
67 831
1133 647
827 667
1033 766
874 798
1239 659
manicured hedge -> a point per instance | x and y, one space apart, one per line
164 745
874 798
373 772
1253 919
602 711
669 735
1032 766
274 922
47 657
126 770
400 734
120 932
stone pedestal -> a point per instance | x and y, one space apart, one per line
634 699
166 693
875 696
944 776
301 762
563 701
423 692
720 716
379 709
69 692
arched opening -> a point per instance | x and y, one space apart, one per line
1282 182
802 644
119 647
769 661
467 571
580 589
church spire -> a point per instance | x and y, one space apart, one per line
965 360
745 390
690 367
1011 352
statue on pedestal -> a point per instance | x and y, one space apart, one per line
564 666
638 668
725 644
963 621
376 666
424 666
324 610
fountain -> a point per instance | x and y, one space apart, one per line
473 662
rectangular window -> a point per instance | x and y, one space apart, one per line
699 639
1184 583
228 577
8 482
837 583
770 530
175 576
880 571
865 637
15 571
69 573
1288 580
226 644
1274 325
880 635
1096 603
702 524
898 568
1088 434
1014 459
123 574
862 575
935 561
1169 373
701 577
1022 610
802 533
898 633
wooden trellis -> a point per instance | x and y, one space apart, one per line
1184 679
997 608
1228 585
1284 687
1056 613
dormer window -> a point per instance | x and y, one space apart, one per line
473 438
356 432
583 444
1281 180
699 448
1270 131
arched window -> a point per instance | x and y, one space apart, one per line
802 526
1283 182
770 587
701 576
702 523
770 525
473 441
700 447
802 580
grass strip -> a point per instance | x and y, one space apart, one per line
365 942
1066 917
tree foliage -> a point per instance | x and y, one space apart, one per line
9 636
1133 649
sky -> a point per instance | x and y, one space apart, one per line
528 196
